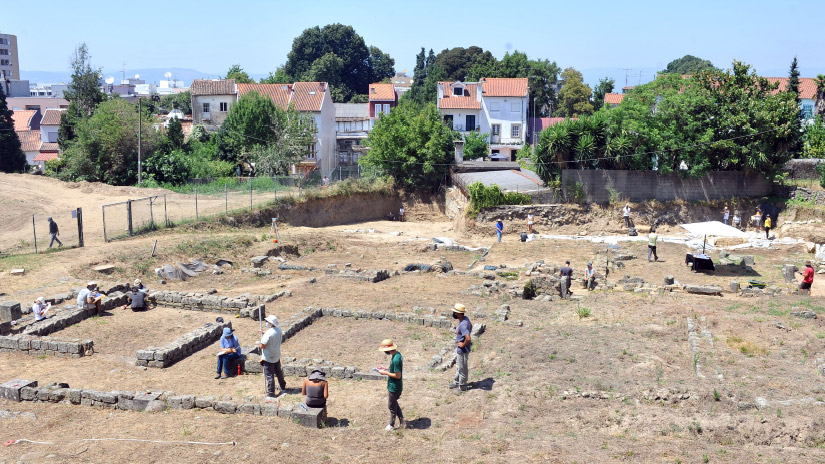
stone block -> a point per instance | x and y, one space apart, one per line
224 407
125 404
104 397
204 402
703 289
73 395
181 402
285 412
250 408
269 409
11 389
309 417
141 401
57 395
10 311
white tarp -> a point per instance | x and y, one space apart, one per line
714 229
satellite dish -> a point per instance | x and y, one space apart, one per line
168 75
110 80
137 76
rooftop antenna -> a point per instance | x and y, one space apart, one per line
640 78
123 72
168 75
626 71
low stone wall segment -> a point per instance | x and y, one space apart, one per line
182 347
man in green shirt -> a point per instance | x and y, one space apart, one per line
395 384
651 245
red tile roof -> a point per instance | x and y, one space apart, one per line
213 87
46 156
468 101
22 119
51 117
278 93
29 139
382 92
539 124
613 98
504 87
49 147
807 86
308 96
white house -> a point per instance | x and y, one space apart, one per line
211 100
353 125
496 106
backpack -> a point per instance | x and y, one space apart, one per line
632 232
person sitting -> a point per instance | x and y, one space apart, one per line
315 389
142 288
230 350
137 300
39 308
590 276
89 298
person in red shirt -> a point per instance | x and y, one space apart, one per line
807 278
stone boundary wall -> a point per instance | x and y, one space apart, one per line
802 168
242 305
28 390
182 347
37 346
69 316
639 186
817 197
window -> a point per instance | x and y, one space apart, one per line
496 129
470 121
458 91
311 151
379 110
515 131
224 106
448 120
5 62
4 41
494 106
206 108
386 108
807 111
515 107
4 51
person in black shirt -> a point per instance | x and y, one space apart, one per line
54 232
566 274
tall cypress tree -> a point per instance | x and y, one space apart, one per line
12 158
793 80
797 143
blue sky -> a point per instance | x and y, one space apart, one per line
597 37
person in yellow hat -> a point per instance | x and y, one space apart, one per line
395 383
463 345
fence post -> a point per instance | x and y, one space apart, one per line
80 227
103 208
152 212
250 194
275 187
225 201
34 231
129 215
196 205
165 217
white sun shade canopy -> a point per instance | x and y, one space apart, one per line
714 229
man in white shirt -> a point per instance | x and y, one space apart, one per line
271 356
39 308
530 221
401 214
626 214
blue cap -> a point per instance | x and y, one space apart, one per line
227 331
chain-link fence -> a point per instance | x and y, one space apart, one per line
34 235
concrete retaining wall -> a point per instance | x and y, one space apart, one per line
37 346
650 185
184 346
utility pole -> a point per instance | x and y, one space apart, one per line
640 78
140 170
626 72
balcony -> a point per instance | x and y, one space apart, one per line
461 128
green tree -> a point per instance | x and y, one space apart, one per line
83 92
292 134
381 65
475 145
105 149
238 74
168 167
248 123
412 145
278 77
793 79
342 41
605 86
174 134
574 97
797 142
819 100
181 101
457 62
688 64
815 139
12 157
329 68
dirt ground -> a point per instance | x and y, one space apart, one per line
643 378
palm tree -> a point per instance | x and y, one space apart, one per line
819 105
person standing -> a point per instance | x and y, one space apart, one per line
767 226
39 308
271 356
325 182
530 221
737 219
651 244
626 214
725 215
230 350
401 214
395 382
590 276
463 346
807 278
566 273
499 229
54 232
757 218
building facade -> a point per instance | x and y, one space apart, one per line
352 126
9 62
211 100
382 99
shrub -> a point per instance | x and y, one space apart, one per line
482 196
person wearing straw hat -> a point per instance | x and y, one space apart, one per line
271 356
88 297
315 389
395 382
39 308
463 345
807 278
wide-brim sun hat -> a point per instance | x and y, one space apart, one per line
387 345
227 331
92 283
137 282
808 262
459 308
41 300
317 374
272 319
